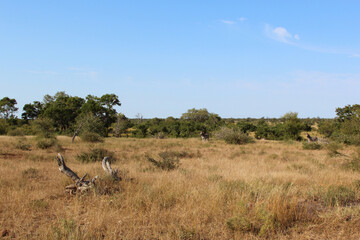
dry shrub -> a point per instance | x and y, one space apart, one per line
16 132
91 137
271 216
311 146
333 149
233 136
22 144
94 155
30 173
39 204
354 163
178 154
66 229
339 196
45 143
169 161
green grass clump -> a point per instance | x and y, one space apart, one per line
94 155
45 143
311 146
167 162
233 136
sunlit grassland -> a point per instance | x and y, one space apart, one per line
266 189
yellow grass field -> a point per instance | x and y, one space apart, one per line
267 189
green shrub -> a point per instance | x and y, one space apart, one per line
339 196
333 149
91 137
311 146
233 136
44 127
327 127
15 132
167 162
3 127
354 163
22 144
94 155
89 123
175 154
45 143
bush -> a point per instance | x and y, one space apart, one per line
15 132
333 149
327 127
88 123
168 161
292 126
354 163
95 155
232 136
44 127
311 146
339 196
22 144
3 127
175 154
45 143
121 125
91 137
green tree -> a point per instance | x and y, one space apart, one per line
121 125
196 115
7 108
62 109
348 112
32 110
43 127
102 107
89 123
292 126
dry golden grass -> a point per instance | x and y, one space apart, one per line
267 189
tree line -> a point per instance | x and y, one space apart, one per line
93 117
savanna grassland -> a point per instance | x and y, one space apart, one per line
266 189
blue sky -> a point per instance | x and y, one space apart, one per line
236 58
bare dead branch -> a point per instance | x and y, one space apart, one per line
76 133
80 183
64 169
107 168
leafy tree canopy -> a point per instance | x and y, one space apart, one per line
7 107
348 112
32 110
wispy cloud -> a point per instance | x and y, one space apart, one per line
281 34
228 22
75 68
43 72
83 71
232 22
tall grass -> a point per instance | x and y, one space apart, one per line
266 190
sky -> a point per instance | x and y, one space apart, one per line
235 58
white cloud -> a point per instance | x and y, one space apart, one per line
241 19
227 22
280 34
